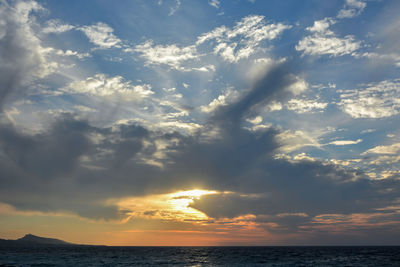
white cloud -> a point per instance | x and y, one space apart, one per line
302 156
304 105
232 45
101 35
243 39
321 26
222 100
56 26
206 68
274 105
101 85
351 8
328 45
293 140
71 53
214 3
255 120
170 55
390 150
217 33
324 42
177 109
175 8
345 142
345 163
376 100
298 87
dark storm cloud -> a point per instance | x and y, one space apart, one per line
66 169
314 191
269 87
38 172
46 172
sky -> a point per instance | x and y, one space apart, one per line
183 122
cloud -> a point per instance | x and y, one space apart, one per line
221 100
389 150
73 166
69 52
304 105
375 100
57 26
101 35
325 42
243 39
240 42
51 171
159 147
214 3
274 105
345 142
22 56
294 140
174 9
351 9
170 55
103 86
256 120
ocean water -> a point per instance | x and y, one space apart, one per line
200 256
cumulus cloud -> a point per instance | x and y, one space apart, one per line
101 35
375 100
243 39
323 41
221 100
170 55
101 85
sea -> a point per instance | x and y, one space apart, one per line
199 256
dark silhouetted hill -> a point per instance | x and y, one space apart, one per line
33 240
42 240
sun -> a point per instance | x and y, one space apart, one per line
172 206
194 194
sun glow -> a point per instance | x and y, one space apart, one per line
172 206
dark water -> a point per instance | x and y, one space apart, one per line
200 256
